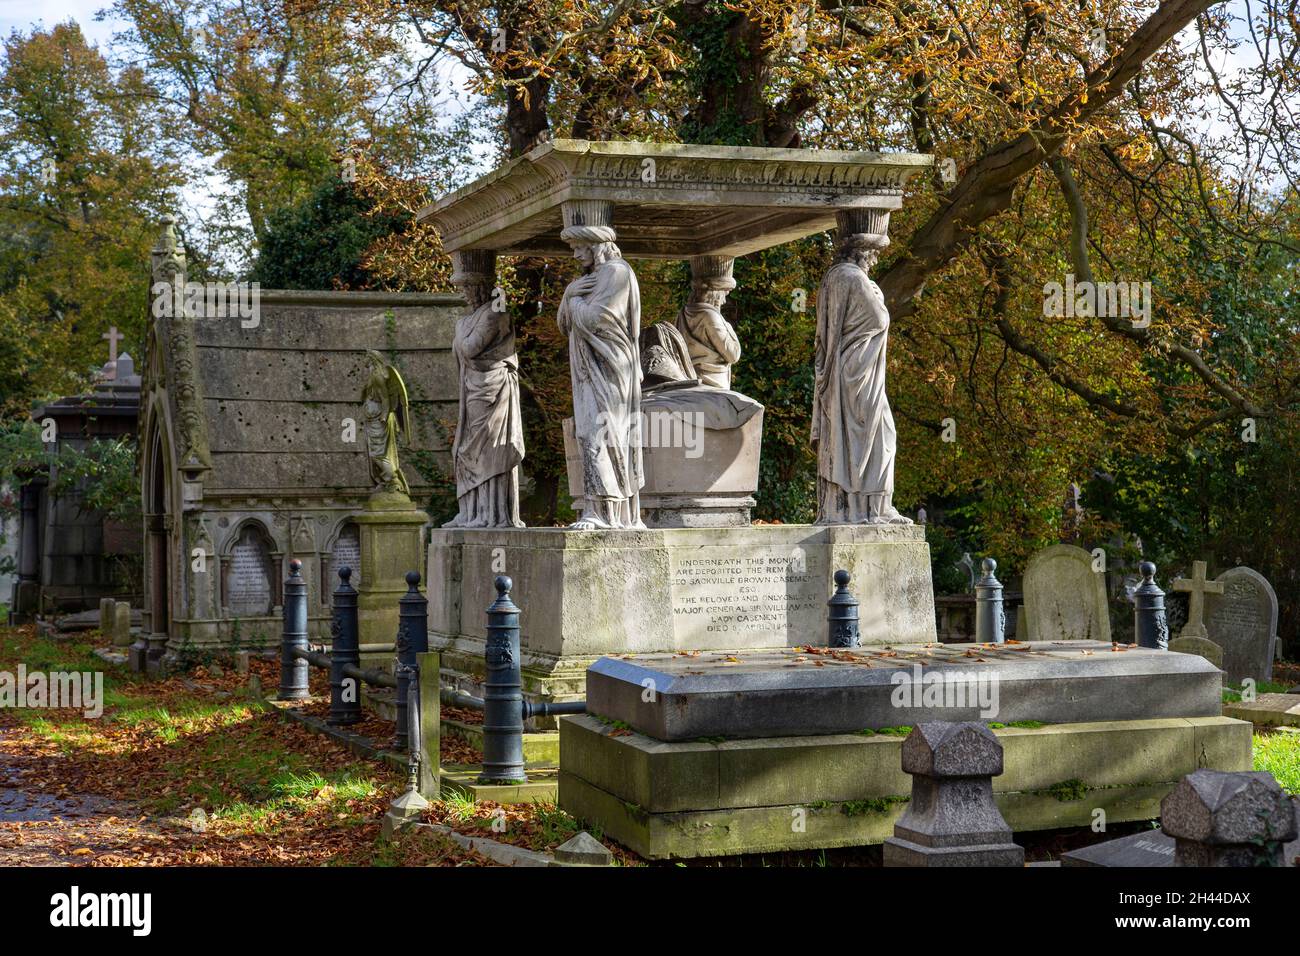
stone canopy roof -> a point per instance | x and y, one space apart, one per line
670 201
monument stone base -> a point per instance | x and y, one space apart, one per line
587 594
391 530
718 797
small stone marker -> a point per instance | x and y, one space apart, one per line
1242 619
106 613
1152 848
1196 587
1065 599
121 624
951 819
241 662
583 850
1228 819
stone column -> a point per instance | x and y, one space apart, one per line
952 819
27 589
1219 818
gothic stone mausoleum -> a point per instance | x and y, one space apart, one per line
248 458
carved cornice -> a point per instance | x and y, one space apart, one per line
715 199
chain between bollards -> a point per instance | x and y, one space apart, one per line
293 669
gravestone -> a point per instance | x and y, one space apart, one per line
121 624
248 577
106 606
1201 646
1243 621
346 554
1065 599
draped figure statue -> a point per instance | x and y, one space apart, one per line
710 339
601 315
852 428
489 443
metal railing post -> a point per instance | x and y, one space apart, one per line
503 698
412 639
293 670
345 691
990 615
842 614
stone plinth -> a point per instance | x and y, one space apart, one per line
951 819
585 594
392 543
789 692
723 797
1220 818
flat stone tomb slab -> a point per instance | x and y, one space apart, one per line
806 691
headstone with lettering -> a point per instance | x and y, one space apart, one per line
1243 621
346 554
1065 596
248 577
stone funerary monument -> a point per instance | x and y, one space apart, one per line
663 556
256 435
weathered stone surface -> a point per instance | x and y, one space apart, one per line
1065 599
585 594
762 693
746 796
1200 646
1221 818
106 615
1243 621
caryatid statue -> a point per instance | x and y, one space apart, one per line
386 418
852 428
489 443
710 339
601 314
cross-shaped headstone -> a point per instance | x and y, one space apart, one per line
113 336
1197 588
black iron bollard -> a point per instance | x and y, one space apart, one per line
842 614
412 639
1150 627
990 616
503 695
293 670
345 692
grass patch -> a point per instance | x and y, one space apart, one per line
1279 754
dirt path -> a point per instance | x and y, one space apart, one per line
42 829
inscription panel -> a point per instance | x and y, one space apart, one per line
248 577
724 598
